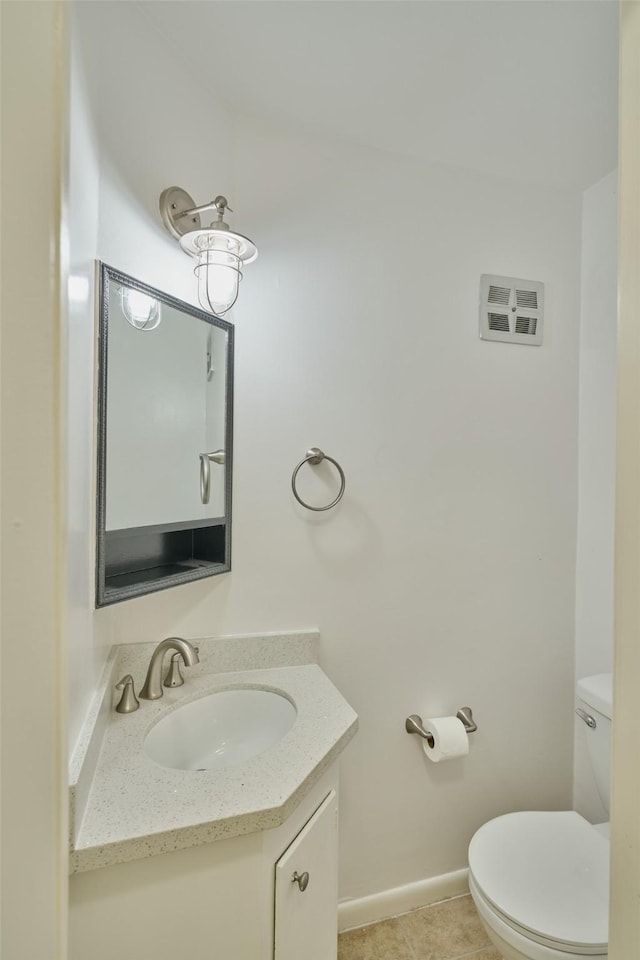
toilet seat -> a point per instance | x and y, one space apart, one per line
515 945
546 875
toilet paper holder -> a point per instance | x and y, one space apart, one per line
414 724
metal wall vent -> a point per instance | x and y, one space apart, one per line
499 321
511 310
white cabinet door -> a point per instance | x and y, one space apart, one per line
306 921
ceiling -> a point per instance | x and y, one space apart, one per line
522 88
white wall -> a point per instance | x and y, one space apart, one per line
86 642
446 576
138 124
596 460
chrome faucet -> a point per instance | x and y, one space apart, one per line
152 687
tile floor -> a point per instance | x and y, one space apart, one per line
450 930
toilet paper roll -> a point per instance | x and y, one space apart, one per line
450 739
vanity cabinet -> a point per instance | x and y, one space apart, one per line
306 889
230 898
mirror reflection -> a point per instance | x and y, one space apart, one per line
165 436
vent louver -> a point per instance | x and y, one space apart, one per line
499 294
527 299
521 318
499 321
526 325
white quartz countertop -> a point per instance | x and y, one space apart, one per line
137 808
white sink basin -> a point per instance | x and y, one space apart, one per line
220 730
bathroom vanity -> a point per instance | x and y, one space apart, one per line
239 861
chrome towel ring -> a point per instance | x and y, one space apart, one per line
314 457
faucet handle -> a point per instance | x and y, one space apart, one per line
174 677
128 701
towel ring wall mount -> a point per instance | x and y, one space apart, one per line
314 456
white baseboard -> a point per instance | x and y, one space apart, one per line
391 903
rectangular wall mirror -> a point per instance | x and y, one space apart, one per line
165 437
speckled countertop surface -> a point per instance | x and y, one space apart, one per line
137 808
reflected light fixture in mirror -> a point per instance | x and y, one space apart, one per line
141 311
220 253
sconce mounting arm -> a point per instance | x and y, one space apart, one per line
180 214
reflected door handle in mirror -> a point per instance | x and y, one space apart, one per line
218 456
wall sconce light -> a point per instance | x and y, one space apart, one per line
219 252
140 310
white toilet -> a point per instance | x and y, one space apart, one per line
540 881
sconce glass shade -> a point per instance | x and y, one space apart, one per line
140 310
220 255
218 274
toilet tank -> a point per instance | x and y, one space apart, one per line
595 696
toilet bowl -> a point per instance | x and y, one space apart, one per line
540 880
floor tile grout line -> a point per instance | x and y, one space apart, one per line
458 956
474 953
467 955
407 941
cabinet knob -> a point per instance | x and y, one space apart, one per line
588 719
302 879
